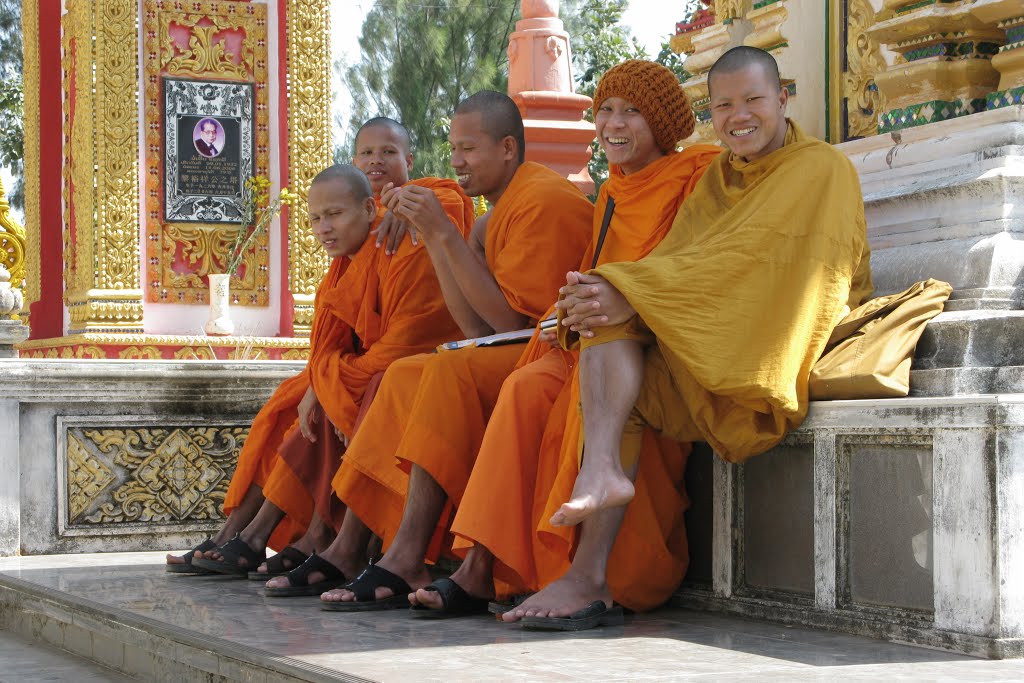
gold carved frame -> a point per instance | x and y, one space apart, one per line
180 254
855 84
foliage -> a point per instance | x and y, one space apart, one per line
419 60
258 210
11 98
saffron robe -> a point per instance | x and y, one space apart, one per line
369 310
536 418
742 296
432 410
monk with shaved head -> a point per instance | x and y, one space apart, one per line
371 308
397 478
710 337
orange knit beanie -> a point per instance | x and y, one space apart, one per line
656 92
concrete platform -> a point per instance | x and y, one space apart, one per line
123 611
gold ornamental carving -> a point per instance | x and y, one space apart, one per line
103 288
309 144
855 102
150 474
12 242
30 80
210 39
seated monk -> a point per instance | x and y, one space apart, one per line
430 410
641 112
383 321
712 336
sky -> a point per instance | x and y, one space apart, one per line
651 21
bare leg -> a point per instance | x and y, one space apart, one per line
347 552
255 533
586 580
317 537
236 521
423 505
475 576
610 379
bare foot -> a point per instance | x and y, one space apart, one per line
417 577
561 598
594 491
476 583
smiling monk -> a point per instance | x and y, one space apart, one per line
640 112
711 336
433 406
381 323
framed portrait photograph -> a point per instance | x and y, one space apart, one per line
208 149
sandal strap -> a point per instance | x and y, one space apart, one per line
314 563
208 544
236 549
275 564
373 577
454 598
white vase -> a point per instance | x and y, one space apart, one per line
219 322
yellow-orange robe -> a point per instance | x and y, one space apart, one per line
369 310
536 412
431 410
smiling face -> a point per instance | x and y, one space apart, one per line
382 154
209 133
341 223
480 162
748 111
625 136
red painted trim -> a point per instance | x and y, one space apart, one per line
47 319
287 301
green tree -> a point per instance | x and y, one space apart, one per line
420 59
12 136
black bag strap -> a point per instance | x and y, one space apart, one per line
609 209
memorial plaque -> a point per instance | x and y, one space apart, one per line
208 145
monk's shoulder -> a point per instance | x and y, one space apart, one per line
544 189
824 158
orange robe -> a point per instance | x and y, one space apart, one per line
432 410
370 309
528 454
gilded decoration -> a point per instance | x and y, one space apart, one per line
103 291
12 242
205 40
309 144
30 80
149 474
854 100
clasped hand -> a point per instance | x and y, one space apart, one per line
417 206
590 301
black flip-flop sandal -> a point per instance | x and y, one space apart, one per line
499 607
365 587
234 550
275 564
298 579
455 602
187 567
593 615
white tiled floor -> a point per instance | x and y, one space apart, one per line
390 646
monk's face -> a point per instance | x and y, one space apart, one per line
340 222
381 153
480 161
748 111
625 136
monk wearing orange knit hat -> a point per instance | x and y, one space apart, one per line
370 309
713 335
430 409
641 112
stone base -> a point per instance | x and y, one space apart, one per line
12 332
122 455
899 518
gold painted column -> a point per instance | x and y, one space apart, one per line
101 189
856 58
309 145
30 82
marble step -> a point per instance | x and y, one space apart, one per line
137 646
25 660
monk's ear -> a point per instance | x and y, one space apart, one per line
510 148
370 206
408 162
783 97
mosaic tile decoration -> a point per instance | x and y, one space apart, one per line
927 112
1004 98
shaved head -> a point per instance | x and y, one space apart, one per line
357 182
499 117
741 57
384 122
